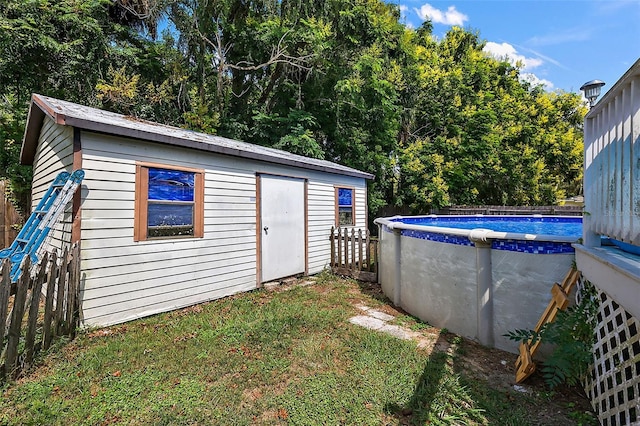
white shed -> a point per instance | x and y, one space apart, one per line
168 218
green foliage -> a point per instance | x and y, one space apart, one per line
120 92
572 335
477 134
56 48
18 177
300 142
437 121
200 118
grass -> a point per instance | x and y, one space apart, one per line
284 357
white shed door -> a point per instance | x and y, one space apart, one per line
282 219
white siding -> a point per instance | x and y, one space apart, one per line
54 154
322 215
612 192
123 279
612 164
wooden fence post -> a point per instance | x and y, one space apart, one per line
5 288
60 296
9 217
16 317
376 247
48 304
360 249
4 307
353 248
339 256
36 289
333 248
73 285
346 248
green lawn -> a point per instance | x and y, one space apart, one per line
265 357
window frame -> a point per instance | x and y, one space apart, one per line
141 209
337 205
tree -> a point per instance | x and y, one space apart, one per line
478 134
57 48
436 121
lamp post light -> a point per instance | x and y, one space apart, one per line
591 90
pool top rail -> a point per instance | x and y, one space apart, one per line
480 234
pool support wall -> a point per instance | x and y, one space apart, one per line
466 285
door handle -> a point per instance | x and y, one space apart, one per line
266 230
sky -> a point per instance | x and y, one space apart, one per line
562 43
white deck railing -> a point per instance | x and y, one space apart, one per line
612 163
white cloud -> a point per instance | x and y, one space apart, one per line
543 57
404 9
505 51
449 17
536 81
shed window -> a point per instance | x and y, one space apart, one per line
169 202
345 206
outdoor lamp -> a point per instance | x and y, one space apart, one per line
591 90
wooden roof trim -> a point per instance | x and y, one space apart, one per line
58 117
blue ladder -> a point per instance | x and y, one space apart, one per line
34 236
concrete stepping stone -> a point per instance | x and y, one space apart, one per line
378 321
367 322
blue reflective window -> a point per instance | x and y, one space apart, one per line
171 201
345 206
345 196
171 185
172 205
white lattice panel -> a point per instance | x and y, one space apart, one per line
613 382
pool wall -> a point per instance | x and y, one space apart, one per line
454 279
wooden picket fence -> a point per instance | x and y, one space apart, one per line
34 311
354 254
10 219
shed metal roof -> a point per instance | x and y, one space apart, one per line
97 120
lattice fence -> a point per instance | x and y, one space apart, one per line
613 382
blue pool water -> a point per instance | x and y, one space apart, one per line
547 225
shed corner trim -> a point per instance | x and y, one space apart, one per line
37 111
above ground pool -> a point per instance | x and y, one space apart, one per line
558 226
478 276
